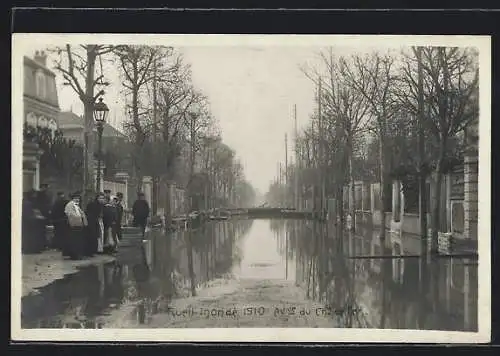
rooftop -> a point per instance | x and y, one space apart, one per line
68 118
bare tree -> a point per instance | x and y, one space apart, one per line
450 87
373 77
140 66
349 109
77 64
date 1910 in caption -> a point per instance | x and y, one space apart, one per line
260 311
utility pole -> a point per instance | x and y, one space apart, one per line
192 118
286 170
321 149
296 149
421 154
154 198
280 177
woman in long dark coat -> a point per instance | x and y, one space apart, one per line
94 236
77 221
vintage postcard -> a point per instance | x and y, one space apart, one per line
251 188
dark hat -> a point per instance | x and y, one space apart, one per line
75 195
141 194
107 191
119 194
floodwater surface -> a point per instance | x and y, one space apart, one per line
271 273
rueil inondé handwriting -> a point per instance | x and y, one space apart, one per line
260 311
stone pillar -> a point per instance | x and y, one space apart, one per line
37 175
396 200
373 197
470 196
147 188
366 197
123 177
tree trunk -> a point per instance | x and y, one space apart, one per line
88 134
352 192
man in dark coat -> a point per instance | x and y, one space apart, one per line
59 220
43 200
140 212
43 203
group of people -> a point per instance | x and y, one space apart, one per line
79 232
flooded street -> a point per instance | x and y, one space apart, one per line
263 273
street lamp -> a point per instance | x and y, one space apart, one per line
101 111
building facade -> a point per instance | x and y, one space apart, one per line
41 108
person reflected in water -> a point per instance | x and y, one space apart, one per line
142 273
77 222
95 230
59 220
140 212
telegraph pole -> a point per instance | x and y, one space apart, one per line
321 149
280 177
154 198
286 170
296 180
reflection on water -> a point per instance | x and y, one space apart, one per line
144 276
343 271
264 255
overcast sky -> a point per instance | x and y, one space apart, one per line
251 92
251 86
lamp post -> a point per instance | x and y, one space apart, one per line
101 111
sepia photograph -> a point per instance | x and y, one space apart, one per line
259 188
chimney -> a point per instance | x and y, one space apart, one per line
41 57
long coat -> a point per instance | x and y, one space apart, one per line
140 211
94 213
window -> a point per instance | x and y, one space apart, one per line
41 86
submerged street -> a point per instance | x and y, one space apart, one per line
261 273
